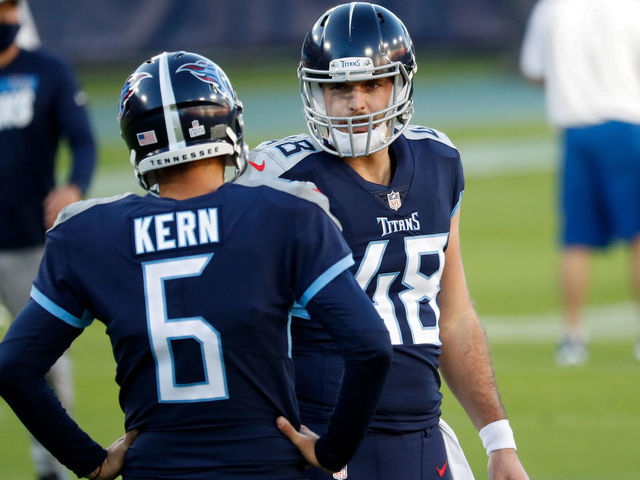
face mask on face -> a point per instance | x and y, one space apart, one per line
8 32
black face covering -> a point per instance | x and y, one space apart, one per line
8 32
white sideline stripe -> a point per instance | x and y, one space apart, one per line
4 317
488 157
106 184
609 323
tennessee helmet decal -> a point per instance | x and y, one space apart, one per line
207 72
129 87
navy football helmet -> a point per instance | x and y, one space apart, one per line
179 107
349 43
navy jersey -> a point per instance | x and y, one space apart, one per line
398 235
195 296
39 103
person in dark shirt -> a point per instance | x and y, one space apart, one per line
195 283
40 104
396 189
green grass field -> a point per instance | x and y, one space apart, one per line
573 423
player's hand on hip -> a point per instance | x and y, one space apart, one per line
504 464
114 460
57 199
304 439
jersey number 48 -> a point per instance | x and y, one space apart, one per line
420 287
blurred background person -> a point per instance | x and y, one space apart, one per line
40 104
28 39
587 54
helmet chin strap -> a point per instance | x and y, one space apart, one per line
345 141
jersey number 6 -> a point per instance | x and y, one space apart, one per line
162 330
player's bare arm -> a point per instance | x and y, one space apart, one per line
465 362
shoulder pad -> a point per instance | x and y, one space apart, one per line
304 190
272 158
78 207
417 132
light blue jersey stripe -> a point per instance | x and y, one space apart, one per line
289 340
60 312
455 209
326 277
298 311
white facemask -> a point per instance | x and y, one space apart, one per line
378 138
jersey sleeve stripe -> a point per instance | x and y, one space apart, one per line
298 311
331 273
455 209
59 312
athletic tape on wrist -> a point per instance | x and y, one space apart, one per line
497 435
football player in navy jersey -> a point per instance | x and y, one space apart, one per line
396 189
195 283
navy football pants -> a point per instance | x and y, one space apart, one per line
383 456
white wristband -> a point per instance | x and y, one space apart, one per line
497 435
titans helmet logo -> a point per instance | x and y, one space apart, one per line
210 73
129 87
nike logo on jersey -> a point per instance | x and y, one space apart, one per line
176 230
402 225
442 470
259 167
